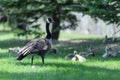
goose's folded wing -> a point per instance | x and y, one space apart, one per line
34 46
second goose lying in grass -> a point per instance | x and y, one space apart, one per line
90 52
71 55
111 51
53 50
109 39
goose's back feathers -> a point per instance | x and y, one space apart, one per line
38 45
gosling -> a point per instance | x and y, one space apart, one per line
14 49
79 58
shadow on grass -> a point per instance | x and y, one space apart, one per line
64 47
12 43
68 45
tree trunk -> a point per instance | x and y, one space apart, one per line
56 28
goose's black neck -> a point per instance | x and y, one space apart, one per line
48 36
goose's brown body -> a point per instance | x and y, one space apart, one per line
39 46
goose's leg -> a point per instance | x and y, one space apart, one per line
42 59
32 59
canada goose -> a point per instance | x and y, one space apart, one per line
90 52
70 56
14 49
110 39
53 50
79 58
111 51
39 46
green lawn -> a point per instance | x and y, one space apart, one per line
56 67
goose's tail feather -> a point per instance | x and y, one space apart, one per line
24 52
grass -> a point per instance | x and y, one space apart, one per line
56 67
79 36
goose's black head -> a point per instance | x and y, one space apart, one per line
50 20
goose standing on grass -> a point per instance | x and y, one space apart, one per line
39 46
